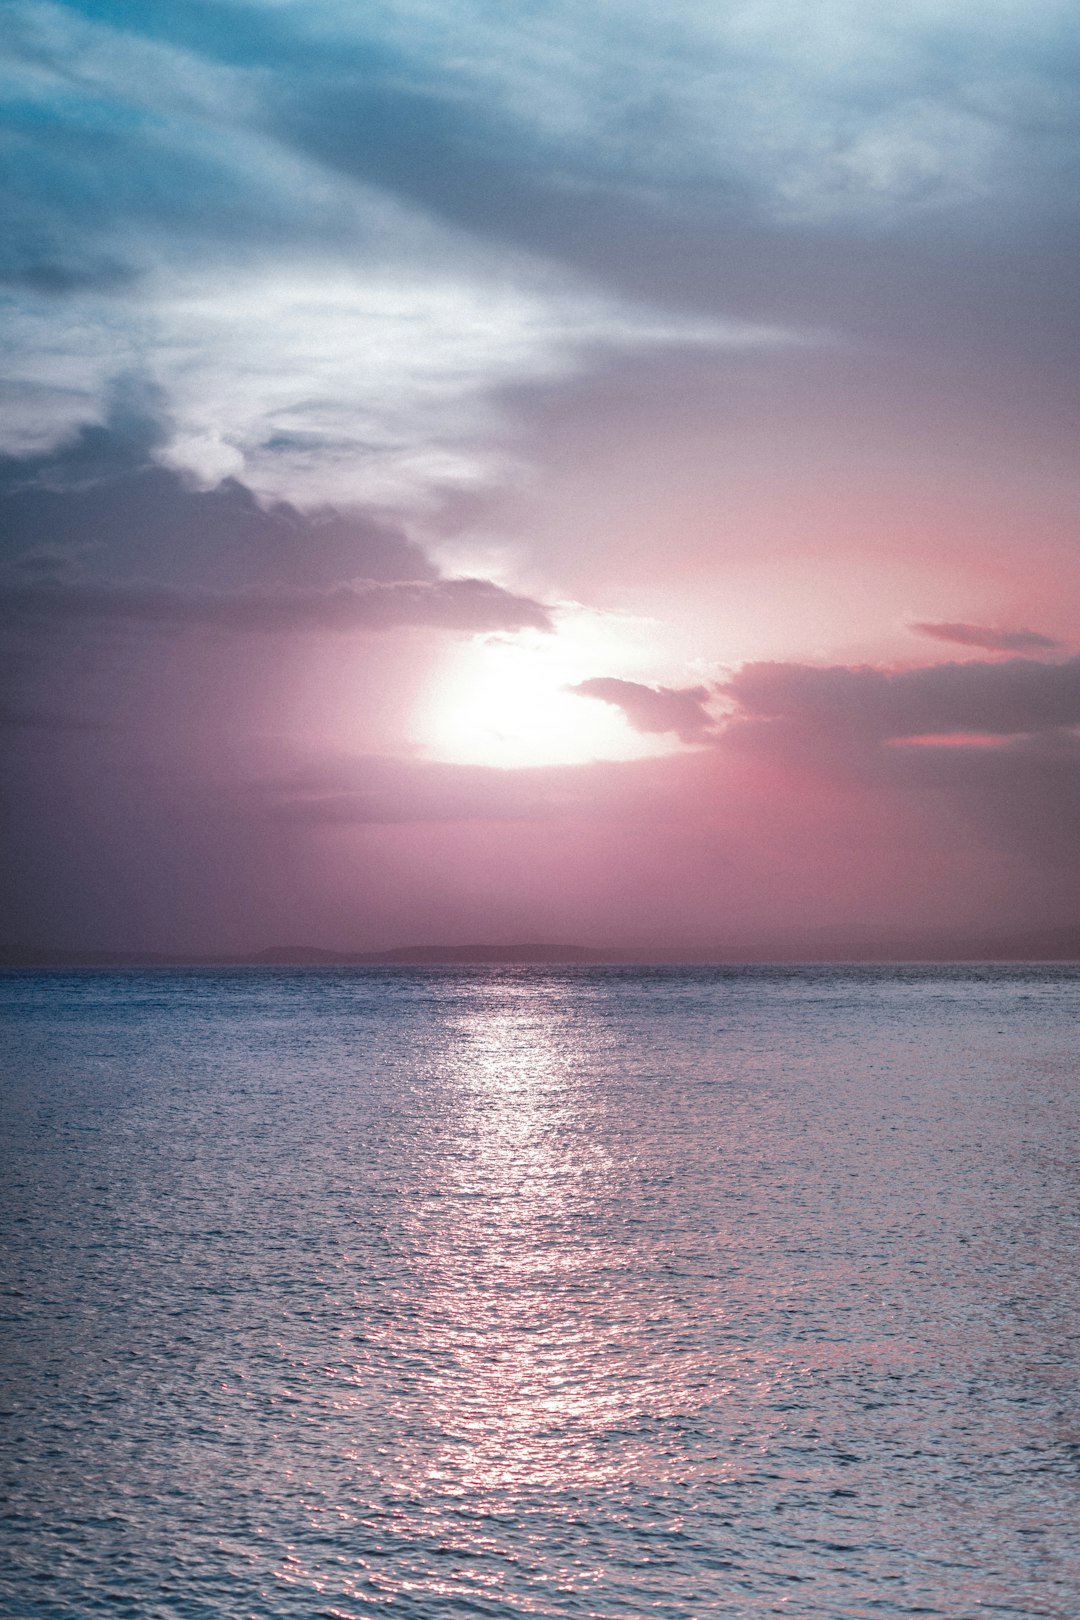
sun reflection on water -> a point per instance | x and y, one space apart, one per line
519 1232
527 1326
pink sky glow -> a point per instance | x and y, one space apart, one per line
591 527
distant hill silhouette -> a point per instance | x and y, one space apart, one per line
833 945
492 953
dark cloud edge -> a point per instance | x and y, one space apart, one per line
464 604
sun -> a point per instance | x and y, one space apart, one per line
503 701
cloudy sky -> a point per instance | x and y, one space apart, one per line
576 470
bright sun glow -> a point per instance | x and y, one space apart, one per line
504 701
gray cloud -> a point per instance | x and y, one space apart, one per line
979 635
469 605
96 531
804 123
1019 695
101 499
681 709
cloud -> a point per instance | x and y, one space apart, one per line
979 635
319 334
369 383
1010 698
100 499
110 562
682 709
352 383
340 237
95 531
1001 785
470 605
121 143
835 112
192 195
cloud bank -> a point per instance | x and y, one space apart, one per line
1016 696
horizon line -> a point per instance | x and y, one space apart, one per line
1058 943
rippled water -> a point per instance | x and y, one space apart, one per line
496 1292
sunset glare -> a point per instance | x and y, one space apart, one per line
506 702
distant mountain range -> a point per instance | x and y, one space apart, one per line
1034 945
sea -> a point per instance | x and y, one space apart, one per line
496 1292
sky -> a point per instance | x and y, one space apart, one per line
583 472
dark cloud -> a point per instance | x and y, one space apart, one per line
95 530
682 709
102 493
135 424
1016 696
449 604
980 635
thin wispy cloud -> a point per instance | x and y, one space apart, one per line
985 636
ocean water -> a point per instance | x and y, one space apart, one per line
495 1292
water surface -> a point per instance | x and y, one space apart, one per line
495 1292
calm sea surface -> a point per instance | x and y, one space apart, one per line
493 1292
